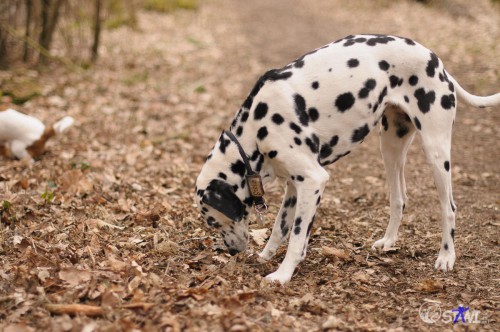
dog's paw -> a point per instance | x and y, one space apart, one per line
279 277
445 261
266 255
383 243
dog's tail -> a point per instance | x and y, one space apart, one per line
63 124
476 101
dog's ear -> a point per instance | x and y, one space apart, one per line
221 197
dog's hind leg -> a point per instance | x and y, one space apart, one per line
437 145
283 223
396 134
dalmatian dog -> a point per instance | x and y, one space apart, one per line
316 110
25 136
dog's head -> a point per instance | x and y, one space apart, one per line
222 197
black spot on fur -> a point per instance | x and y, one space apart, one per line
223 144
298 221
325 151
278 119
453 233
425 100
300 178
244 116
407 99
315 85
255 155
313 114
239 131
446 246
409 41
451 87
318 200
295 127
447 165
312 145
413 80
360 133
394 81
262 133
417 123
221 197
353 63
382 95
448 101
344 101
299 63
291 202
384 65
309 227
368 86
260 111
212 222
271 75
384 122
272 154
300 109
297 140
432 65
238 167
379 40
223 176
453 207
296 230
334 140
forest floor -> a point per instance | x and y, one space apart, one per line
106 218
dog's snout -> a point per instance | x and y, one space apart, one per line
233 251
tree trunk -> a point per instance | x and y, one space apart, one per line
97 30
29 6
4 63
50 15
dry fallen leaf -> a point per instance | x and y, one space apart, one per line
259 236
74 277
430 286
334 252
74 309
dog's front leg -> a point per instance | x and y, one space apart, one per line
283 222
309 190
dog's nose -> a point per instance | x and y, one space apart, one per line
233 252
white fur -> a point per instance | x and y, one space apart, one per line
18 131
322 79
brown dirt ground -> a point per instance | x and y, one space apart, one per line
122 233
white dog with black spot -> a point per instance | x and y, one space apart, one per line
310 113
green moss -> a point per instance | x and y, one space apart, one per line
121 13
165 6
135 78
20 88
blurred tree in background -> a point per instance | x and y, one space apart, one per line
34 31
